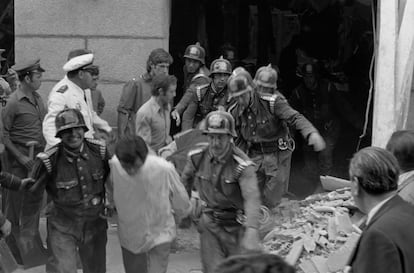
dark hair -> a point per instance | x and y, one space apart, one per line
401 144
21 76
376 170
157 56
162 82
130 148
255 263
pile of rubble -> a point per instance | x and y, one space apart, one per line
317 234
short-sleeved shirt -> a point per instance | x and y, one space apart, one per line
153 124
22 118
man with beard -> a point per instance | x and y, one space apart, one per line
74 173
208 97
153 120
138 91
225 180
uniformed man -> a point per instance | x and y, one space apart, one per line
262 126
4 85
195 74
22 122
225 180
73 172
207 97
73 91
322 104
138 91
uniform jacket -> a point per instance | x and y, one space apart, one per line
386 245
230 183
134 94
75 184
204 100
66 94
266 119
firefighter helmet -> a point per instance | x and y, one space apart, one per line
266 76
239 82
195 52
220 65
69 118
219 122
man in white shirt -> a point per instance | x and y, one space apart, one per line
148 196
73 91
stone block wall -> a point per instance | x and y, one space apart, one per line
121 33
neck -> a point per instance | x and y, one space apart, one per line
26 90
77 82
370 201
160 102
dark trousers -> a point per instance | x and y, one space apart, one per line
153 261
68 238
22 209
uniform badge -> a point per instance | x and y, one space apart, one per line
62 89
96 201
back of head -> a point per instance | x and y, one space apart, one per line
376 170
401 144
157 56
255 263
130 148
161 83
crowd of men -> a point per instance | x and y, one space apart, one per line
89 171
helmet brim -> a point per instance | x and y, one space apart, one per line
63 128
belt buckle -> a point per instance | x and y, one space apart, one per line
96 201
282 144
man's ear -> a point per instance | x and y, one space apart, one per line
356 188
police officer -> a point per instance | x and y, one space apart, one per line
74 172
22 123
322 104
195 74
225 180
208 97
73 91
138 91
262 125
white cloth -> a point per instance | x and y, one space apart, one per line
78 62
72 97
145 203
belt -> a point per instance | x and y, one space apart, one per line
226 217
273 146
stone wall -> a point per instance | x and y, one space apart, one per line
120 32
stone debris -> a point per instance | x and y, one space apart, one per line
317 234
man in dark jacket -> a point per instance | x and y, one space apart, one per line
386 242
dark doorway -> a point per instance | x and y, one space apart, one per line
7 33
337 34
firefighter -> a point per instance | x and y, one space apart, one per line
208 97
225 180
262 118
74 173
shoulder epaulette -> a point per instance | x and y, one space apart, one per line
198 91
101 144
242 164
271 98
45 157
195 151
62 89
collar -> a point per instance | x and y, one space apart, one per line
146 77
375 209
404 176
20 95
70 156
223 158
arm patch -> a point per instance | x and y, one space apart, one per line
62 89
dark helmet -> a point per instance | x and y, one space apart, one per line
309 69
69 118
266 76
195 52
219 122
220 65
239 82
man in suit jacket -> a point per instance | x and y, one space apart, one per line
401 144
386 244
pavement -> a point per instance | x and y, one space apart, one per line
185 260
